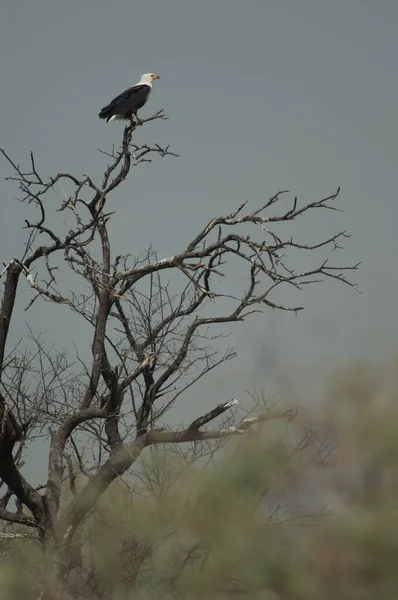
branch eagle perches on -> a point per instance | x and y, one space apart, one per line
157 327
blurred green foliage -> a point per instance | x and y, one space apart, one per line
308 511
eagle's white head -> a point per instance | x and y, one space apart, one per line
148 78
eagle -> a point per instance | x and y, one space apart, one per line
127 103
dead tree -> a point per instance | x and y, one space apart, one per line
153 323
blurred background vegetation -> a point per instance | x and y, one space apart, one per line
301 510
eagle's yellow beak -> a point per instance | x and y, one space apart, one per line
154 76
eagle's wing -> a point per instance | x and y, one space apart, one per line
126 102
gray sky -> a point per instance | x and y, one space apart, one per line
261 96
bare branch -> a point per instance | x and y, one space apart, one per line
157 327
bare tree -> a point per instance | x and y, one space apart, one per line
157 326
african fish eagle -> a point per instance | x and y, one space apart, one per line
127 104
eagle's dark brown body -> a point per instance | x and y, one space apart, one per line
126 104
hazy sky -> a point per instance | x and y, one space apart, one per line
262 96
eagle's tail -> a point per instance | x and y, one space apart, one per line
113 118
109 115
105 114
